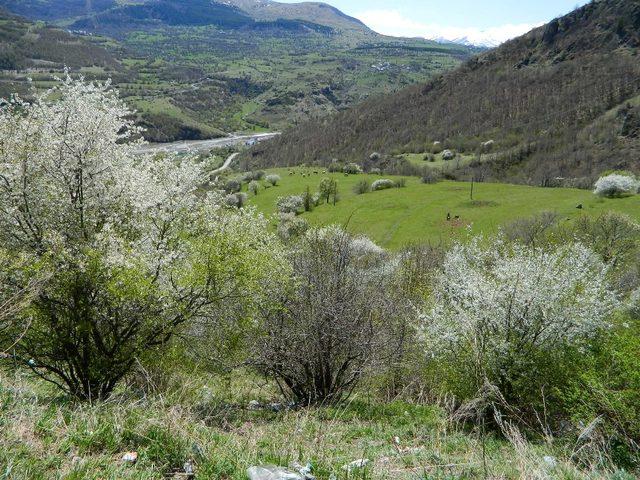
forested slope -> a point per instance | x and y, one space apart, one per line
560 101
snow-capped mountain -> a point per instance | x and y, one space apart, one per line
486 42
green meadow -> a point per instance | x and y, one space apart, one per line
418 212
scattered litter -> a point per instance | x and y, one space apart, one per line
361 463
271 472
130 457
189 468
305 470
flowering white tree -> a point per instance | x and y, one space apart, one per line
616 185
291 226
253 187
352 168
382 184
132 249
500 306
290 204
272 179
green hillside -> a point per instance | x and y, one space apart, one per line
418 212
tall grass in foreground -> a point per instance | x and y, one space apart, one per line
194 418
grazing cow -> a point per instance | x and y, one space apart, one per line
448 217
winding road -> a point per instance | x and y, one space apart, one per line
227 163
200 146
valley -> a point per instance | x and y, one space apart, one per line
256 240
205 75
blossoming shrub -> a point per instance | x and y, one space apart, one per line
272 179
617 184
352 168
382 184
236 200
131 254
291 226
253 187
513 316
290 204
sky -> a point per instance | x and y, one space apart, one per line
497 20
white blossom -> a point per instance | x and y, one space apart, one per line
71 181
616 185
362 245
290 204
291 226
382 184
513 298
272 179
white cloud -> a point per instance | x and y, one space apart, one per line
394 23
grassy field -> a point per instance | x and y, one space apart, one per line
195 419
418 212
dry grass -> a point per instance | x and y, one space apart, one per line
197 418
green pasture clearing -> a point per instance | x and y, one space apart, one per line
418 212
418 159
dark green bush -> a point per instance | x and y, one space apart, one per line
608 386
361 187
430 176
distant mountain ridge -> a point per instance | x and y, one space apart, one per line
186 13
560 102
167 12
486 42
315 12
227 13
52 10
